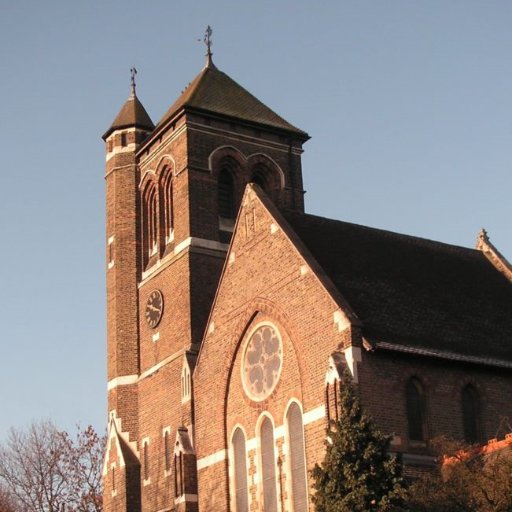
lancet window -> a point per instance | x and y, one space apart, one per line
415 405
471 414
150 221
268 466
297 454
168 205
240 473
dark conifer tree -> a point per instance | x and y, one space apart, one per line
358 473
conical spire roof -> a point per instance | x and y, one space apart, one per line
132 115
215 92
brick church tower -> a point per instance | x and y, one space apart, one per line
173 191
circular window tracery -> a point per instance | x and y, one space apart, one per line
262 362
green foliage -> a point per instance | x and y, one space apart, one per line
358 473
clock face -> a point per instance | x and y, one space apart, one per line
154 308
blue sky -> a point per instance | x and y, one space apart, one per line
408 105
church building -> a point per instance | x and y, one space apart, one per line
231 314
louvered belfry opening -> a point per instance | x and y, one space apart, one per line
226 195
297 459
240 463
268 465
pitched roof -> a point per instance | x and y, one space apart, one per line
214 91
132 114
414 292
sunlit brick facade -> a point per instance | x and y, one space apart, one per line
231 313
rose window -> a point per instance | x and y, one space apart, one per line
261 366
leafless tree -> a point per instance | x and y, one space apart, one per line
46 470
7 502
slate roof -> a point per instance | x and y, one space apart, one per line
214 91
132 114
414 292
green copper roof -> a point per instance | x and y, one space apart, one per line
214 91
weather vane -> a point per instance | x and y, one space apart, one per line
208 42
133 72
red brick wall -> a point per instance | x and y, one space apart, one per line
263 282
383 378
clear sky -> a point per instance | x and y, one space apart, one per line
408 105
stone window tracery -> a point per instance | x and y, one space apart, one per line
262 362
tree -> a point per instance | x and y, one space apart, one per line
358 473
466 480
44 469
7 502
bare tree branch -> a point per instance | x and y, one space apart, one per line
46 470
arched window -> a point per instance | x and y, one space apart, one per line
240 473
150 222
297 459
471 414
259 178
226 194
267 178
415 403
186 386
268 466
167 192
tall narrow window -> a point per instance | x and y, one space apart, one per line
186 386
268 466
113 476
415 404
150 222
471 414
167 450
168 206
240 474
145 460
226 195
179 480
297 459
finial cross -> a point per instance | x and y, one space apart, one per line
208 41
133 72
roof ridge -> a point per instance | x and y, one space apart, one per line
388 232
